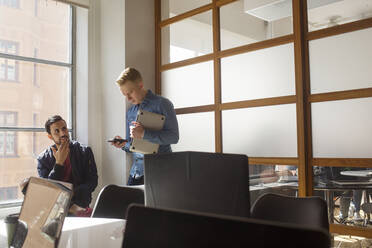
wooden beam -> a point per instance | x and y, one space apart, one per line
230 52
304 139
272 161
256 46
341 95
350 230
343 162
186 15
157 47
340 29
258 102
217 78
198 109
186 62
224 2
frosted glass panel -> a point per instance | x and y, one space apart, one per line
188 38
261 132
259 74
341 62
342 129
328 13
196 132
245 21
171 8
190 85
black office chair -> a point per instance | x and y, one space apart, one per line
163 228
113 200
198 181
306 211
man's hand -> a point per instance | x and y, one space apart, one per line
61 154
118 144
24 182
136 130
74 209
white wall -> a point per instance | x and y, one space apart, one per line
140 42
120 34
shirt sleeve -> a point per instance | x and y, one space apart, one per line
127 133
169 134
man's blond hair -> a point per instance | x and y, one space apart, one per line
129 74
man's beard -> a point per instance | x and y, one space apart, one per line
59 141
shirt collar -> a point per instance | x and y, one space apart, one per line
147 98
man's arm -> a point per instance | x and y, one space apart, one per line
47 168
169 134
83 192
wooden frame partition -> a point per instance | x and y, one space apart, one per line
302 98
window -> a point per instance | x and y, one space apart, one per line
8 67
9 193
40 59
36 75
8 138
35 143
10 3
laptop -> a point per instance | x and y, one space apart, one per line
43 211
151 121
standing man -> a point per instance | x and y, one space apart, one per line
69 161
131 86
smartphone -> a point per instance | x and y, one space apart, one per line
117 140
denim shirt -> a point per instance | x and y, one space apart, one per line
164 137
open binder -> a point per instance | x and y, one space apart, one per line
150 121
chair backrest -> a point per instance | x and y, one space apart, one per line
198 181
162 228
307 211
113 201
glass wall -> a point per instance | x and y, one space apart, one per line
268 97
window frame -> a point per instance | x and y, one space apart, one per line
70 81
3 154
15 4
6 78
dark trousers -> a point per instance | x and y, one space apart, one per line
135 180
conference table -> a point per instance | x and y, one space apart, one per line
78 232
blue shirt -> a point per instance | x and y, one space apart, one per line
164 137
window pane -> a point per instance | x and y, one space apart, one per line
190 85
328 13
342 129
3 67
259 74
337 65
196 132
2 141
10 143
50 98
170 8
261 132
14 169
280 179
48 31
188 38
12 70
346 190
245 21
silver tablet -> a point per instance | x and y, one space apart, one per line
150 121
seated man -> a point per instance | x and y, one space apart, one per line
69 161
